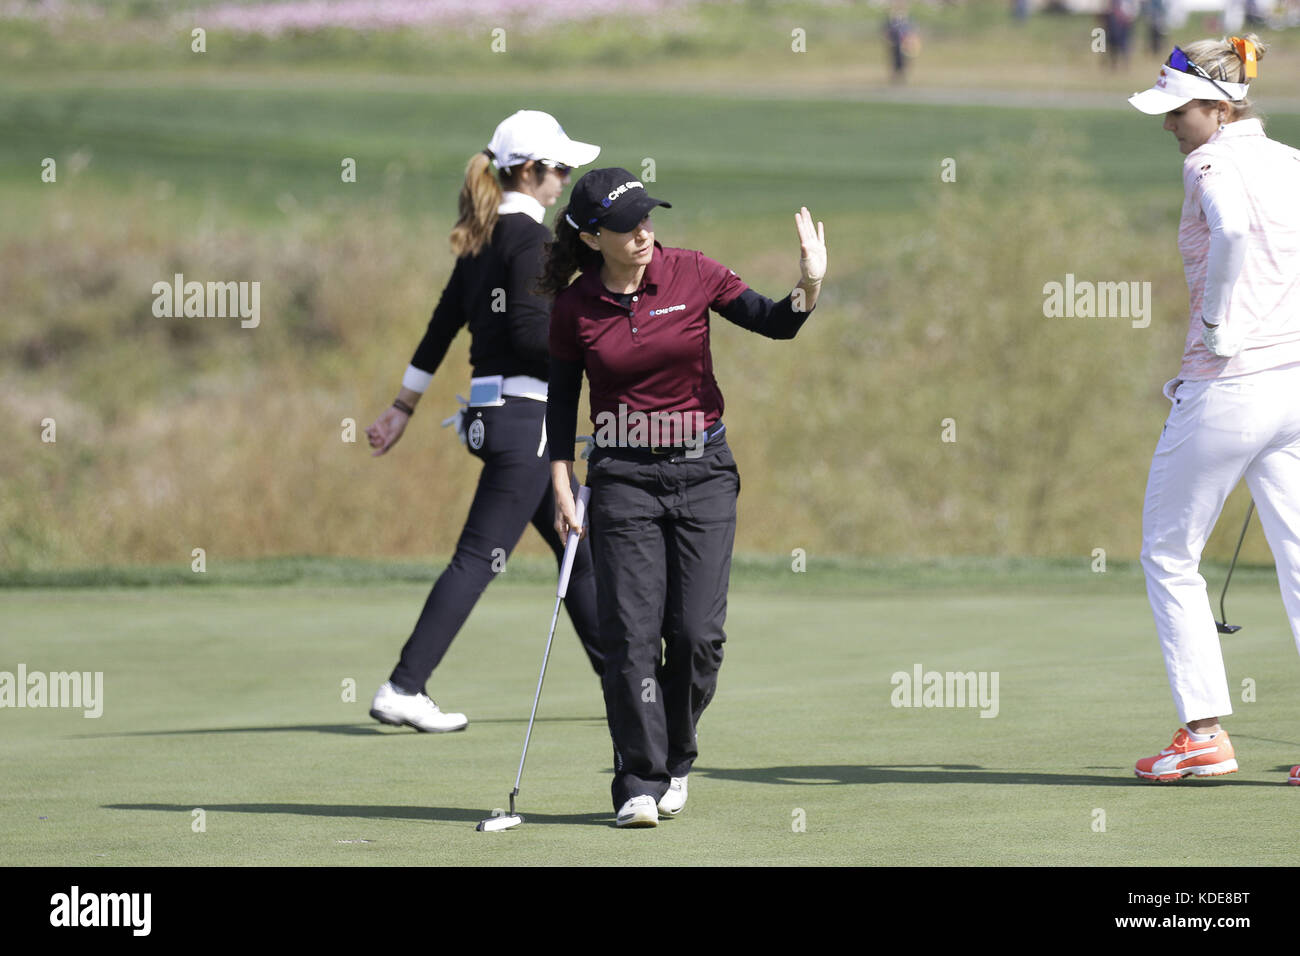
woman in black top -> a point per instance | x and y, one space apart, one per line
498 241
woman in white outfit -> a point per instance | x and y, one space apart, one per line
1236 399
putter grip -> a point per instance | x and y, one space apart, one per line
571 546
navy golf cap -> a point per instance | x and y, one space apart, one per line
612 198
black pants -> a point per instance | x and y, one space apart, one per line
661 532
513 489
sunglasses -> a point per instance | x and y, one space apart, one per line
558 167
1183 64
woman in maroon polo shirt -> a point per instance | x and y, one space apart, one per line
663 481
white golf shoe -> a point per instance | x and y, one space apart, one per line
671 803
413 710
639 811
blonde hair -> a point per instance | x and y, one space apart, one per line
480 195
1220 59
479 198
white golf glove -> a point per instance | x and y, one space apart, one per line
1221 340
458 419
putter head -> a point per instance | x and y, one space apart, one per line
1227 628
499 821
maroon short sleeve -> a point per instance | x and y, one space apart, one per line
721 285
564 330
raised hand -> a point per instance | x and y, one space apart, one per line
812 247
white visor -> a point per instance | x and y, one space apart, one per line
1174 88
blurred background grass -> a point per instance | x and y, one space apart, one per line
181 433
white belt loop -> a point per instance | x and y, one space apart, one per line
489 390
524 386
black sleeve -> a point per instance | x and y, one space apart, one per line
447 319
562 408
528 315
758 313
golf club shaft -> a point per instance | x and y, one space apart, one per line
570 550
1223 615
537 697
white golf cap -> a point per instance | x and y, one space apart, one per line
532 134
1174 88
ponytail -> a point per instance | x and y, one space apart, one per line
565 255
479 198
1226 60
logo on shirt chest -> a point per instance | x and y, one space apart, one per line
672 308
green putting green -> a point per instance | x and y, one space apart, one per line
235 701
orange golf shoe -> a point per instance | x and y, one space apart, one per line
1295 776
1185 757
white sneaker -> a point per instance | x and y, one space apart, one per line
672 802
639 811
413 710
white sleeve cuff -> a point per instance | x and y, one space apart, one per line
416 379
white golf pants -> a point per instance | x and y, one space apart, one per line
1218 432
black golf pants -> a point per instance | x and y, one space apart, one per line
513 489
661 530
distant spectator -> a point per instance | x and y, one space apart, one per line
904 42
1157 14
1119 28
1020 9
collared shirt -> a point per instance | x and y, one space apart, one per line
652 354
512 201
1241 214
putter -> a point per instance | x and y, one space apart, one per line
1223 625
500 821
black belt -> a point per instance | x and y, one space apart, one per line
710 434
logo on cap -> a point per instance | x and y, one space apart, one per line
614 194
